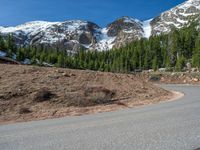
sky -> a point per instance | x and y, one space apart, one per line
102 12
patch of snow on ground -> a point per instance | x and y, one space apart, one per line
147 28
27 61
2 54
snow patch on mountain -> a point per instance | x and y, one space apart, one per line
104 42
28 27
130 20
147 28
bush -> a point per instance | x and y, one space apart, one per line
154 78
43 95
99 95
24 110
89 96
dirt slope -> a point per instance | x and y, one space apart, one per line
32 93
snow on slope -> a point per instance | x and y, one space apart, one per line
104 42
28 27
130 20
49 31
147 28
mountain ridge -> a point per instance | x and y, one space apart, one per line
79 34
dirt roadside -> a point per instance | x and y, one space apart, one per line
172 77
36 93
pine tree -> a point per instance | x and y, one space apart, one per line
2 43
196 54
11 46
155 64
180 63
61 61
20 56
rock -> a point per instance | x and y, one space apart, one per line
72 75
172 74
162 69
150 70
66 74
59 71
195 80
194 69
85 38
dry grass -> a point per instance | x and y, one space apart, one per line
53 92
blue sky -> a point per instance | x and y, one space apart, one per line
102 12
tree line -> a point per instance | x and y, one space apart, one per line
171 51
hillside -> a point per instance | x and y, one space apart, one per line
32 93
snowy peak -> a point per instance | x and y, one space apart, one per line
73 35
176 17
127 19
124 24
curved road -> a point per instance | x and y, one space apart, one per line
171 125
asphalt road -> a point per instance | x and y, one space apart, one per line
173 125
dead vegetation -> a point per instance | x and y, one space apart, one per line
24 110
32 93
43 95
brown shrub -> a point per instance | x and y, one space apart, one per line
99 95
24 110
89 96
43 95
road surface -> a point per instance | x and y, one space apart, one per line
173 125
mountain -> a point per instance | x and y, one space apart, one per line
176 17
73 35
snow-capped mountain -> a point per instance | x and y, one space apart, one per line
176 17
76 34
71 35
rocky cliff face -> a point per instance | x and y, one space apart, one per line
125 30
76 34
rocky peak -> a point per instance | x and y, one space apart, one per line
176 17
125 30
124 24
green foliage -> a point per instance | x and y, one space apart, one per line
155 64
196 54
180 63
